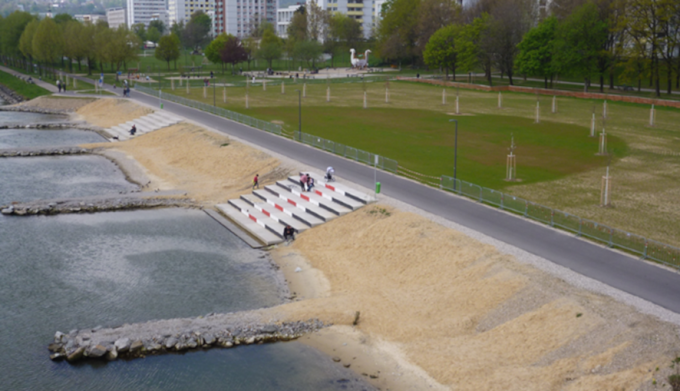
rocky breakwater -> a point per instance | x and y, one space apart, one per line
52 151
93 205
176 335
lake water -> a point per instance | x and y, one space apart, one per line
19 118
77 271
16 138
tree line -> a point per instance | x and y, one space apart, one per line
598 40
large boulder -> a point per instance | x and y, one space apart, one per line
136 346
96 351
122 345
75 355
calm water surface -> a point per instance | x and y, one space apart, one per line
21 138
77 271
17 118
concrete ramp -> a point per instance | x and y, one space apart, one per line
145 124
265 213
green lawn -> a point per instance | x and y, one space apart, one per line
28 91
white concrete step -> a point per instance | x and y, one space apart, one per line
284 206
265 221
316 211
273 213
343 190
314 198
259 232
329 194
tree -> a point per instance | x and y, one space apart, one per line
670 42
12 28
317 21
48 41
535 55
343 31
508 24
153 35
397 32
233 52
250 46
26 40
89 46
102 37
308 51
270 47
159 25
440 50
472 48
168 49
214 49
297 28
578 42
432 16
140 30
197 30
74 47
62 19
122 47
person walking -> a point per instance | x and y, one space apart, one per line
256 181
59 85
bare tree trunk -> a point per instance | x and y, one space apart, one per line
601 82
551 81
657 86
669 72
545 81
510 77
611 79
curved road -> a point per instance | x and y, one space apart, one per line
613 268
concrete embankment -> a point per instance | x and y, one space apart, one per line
176 335
51 151
92 205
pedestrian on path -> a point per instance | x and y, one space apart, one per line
63 87
59 85
256 181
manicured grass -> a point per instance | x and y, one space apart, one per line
27 90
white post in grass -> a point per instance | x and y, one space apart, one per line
172 84
604 110
264 85
538 112
605 193
365 102
328 94
205 92
554 104
592 126
651 116
304 90
224 94
444 96
283 87
387 95
188 91
246 100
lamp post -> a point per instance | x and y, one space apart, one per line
455 154
299 115
214 102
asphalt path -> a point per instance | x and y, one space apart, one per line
618 270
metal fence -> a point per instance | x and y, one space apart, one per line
232 115
315 141
271 82
612 237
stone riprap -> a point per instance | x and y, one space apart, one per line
10 96
93 205
56 126
176 335
35 109
50 151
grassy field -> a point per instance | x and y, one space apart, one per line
555 158
28 91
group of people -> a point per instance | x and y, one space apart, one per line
306 182
61 86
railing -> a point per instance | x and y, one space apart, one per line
612 237
274 81
232 115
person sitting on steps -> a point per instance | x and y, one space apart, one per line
289 233
310 182
329 174
133 130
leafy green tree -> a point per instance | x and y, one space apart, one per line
297 28
197 30
214 49
397 33
159 25
578 42
26 40
88 45
271 47
122 47
153 35
74 46
62 19
103 35
432 16
168 49
309 51
468 44
440 50
343 32
250 46
535 56
140 30
48 41
12 28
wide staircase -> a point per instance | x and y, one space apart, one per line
145 124
265 213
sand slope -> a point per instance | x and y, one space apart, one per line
111 112
472 318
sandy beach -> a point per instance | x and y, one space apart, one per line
439 308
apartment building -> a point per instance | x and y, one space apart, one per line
116 17
361 10
181 10
241 17
144 11
283 18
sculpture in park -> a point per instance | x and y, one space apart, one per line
359 62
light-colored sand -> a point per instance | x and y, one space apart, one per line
111 112
472 318
208 166
57 103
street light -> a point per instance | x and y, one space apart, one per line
455 154
214 104
299 115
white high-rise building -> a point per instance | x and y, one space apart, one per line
240 17
143 11
116 17
362 11
283 18
181 10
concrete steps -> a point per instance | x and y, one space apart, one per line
266 212
145 124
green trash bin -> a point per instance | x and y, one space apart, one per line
377 187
